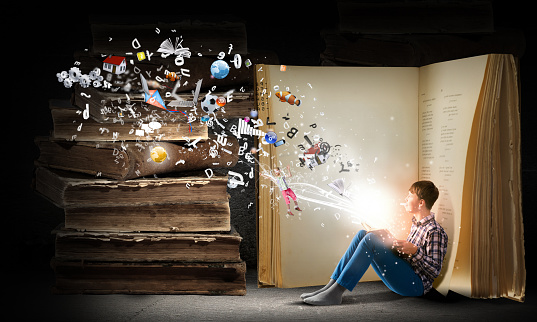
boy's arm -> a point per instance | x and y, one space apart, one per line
430 258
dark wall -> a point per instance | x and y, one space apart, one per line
40 45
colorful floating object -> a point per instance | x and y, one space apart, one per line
158 154
172 76
219 69
271 137
153 97
221 101
288 97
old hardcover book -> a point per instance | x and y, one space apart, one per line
455 123
132 159
76 124
179 217
75 277
180 204
104 106
72 245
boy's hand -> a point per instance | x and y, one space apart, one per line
405 247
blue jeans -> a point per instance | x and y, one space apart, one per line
370 249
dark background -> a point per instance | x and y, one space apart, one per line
41 44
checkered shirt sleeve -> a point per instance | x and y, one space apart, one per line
432 242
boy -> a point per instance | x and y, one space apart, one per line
279 179
412 273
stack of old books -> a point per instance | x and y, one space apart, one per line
144 211
165 235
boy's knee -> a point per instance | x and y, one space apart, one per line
375 241
361 234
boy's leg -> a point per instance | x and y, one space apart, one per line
341 265
356 259
394 271
397 274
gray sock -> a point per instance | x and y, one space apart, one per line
332 296
306 295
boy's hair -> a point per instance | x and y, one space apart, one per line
425 190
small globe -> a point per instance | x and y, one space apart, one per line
219 69
158 154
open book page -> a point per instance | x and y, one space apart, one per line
448 96
355 123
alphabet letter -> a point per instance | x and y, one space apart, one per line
86 112
211 171
136 43
291 133
233 182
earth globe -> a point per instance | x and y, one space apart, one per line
219 69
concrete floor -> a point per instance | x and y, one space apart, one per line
31 300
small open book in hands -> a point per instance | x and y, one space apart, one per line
387 237
385 233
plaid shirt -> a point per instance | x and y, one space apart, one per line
432 241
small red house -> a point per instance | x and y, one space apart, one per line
115 64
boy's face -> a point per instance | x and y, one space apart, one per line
277 172
412 203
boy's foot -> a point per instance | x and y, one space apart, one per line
332 296
290 213
327 286
298 208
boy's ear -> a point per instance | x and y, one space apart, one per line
422 202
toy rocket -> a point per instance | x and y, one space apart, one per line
288 97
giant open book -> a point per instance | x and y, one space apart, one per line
372 132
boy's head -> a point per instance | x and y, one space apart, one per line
425 190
